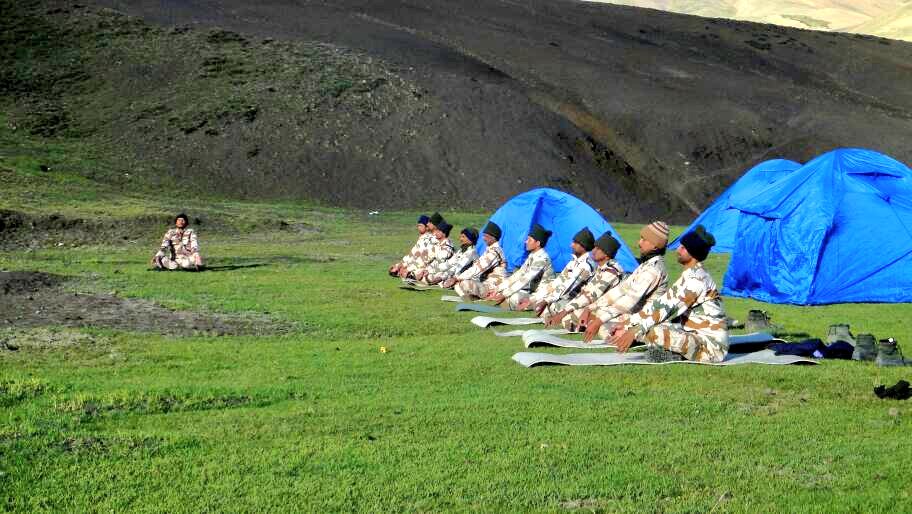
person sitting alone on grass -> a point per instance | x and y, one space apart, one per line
179 248
441 253
648 281
445 273
688 321
607 276
488 271
551 297
519 287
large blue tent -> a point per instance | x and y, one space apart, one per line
721 219
559 212
837 230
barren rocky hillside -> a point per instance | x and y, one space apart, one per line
399 104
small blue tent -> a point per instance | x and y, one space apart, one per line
559 212
837 230
721 219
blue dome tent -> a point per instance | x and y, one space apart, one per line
837 230
559 212
721 219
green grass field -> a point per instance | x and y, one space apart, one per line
321 420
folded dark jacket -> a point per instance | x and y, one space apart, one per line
805 348
815 348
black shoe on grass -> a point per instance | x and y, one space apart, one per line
900 391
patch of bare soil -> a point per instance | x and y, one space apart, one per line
33 299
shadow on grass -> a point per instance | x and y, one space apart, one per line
232 267
214 269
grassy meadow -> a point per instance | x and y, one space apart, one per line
319 419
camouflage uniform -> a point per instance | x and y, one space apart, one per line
521 284
439 271
606 277
434 251
179 250
438 256
648 281
688 319
558 291
485 274
419 251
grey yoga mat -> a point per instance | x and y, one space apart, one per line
531 359
485 321
539 338
478 307
535 338
451 298
523 332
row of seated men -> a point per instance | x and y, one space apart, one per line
592 294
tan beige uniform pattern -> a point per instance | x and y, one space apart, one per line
688 319
440 254
564 287
435 251
607 277
568 283
419 249
484 275
648 281
523 282
460 261
179 249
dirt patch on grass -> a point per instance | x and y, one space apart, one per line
32 299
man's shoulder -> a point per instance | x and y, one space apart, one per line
655 264
699 272
612 267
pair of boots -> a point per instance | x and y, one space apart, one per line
886 352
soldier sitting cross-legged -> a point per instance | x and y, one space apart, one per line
688 321
179 248
519 286
607 276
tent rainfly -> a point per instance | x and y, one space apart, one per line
721 219
837 230
559 212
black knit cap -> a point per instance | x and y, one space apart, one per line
182 215
585 239
471 234
423 219
608 244
445 228
539 234
698 242
493 230
436 218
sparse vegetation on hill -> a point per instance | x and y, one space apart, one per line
643 114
